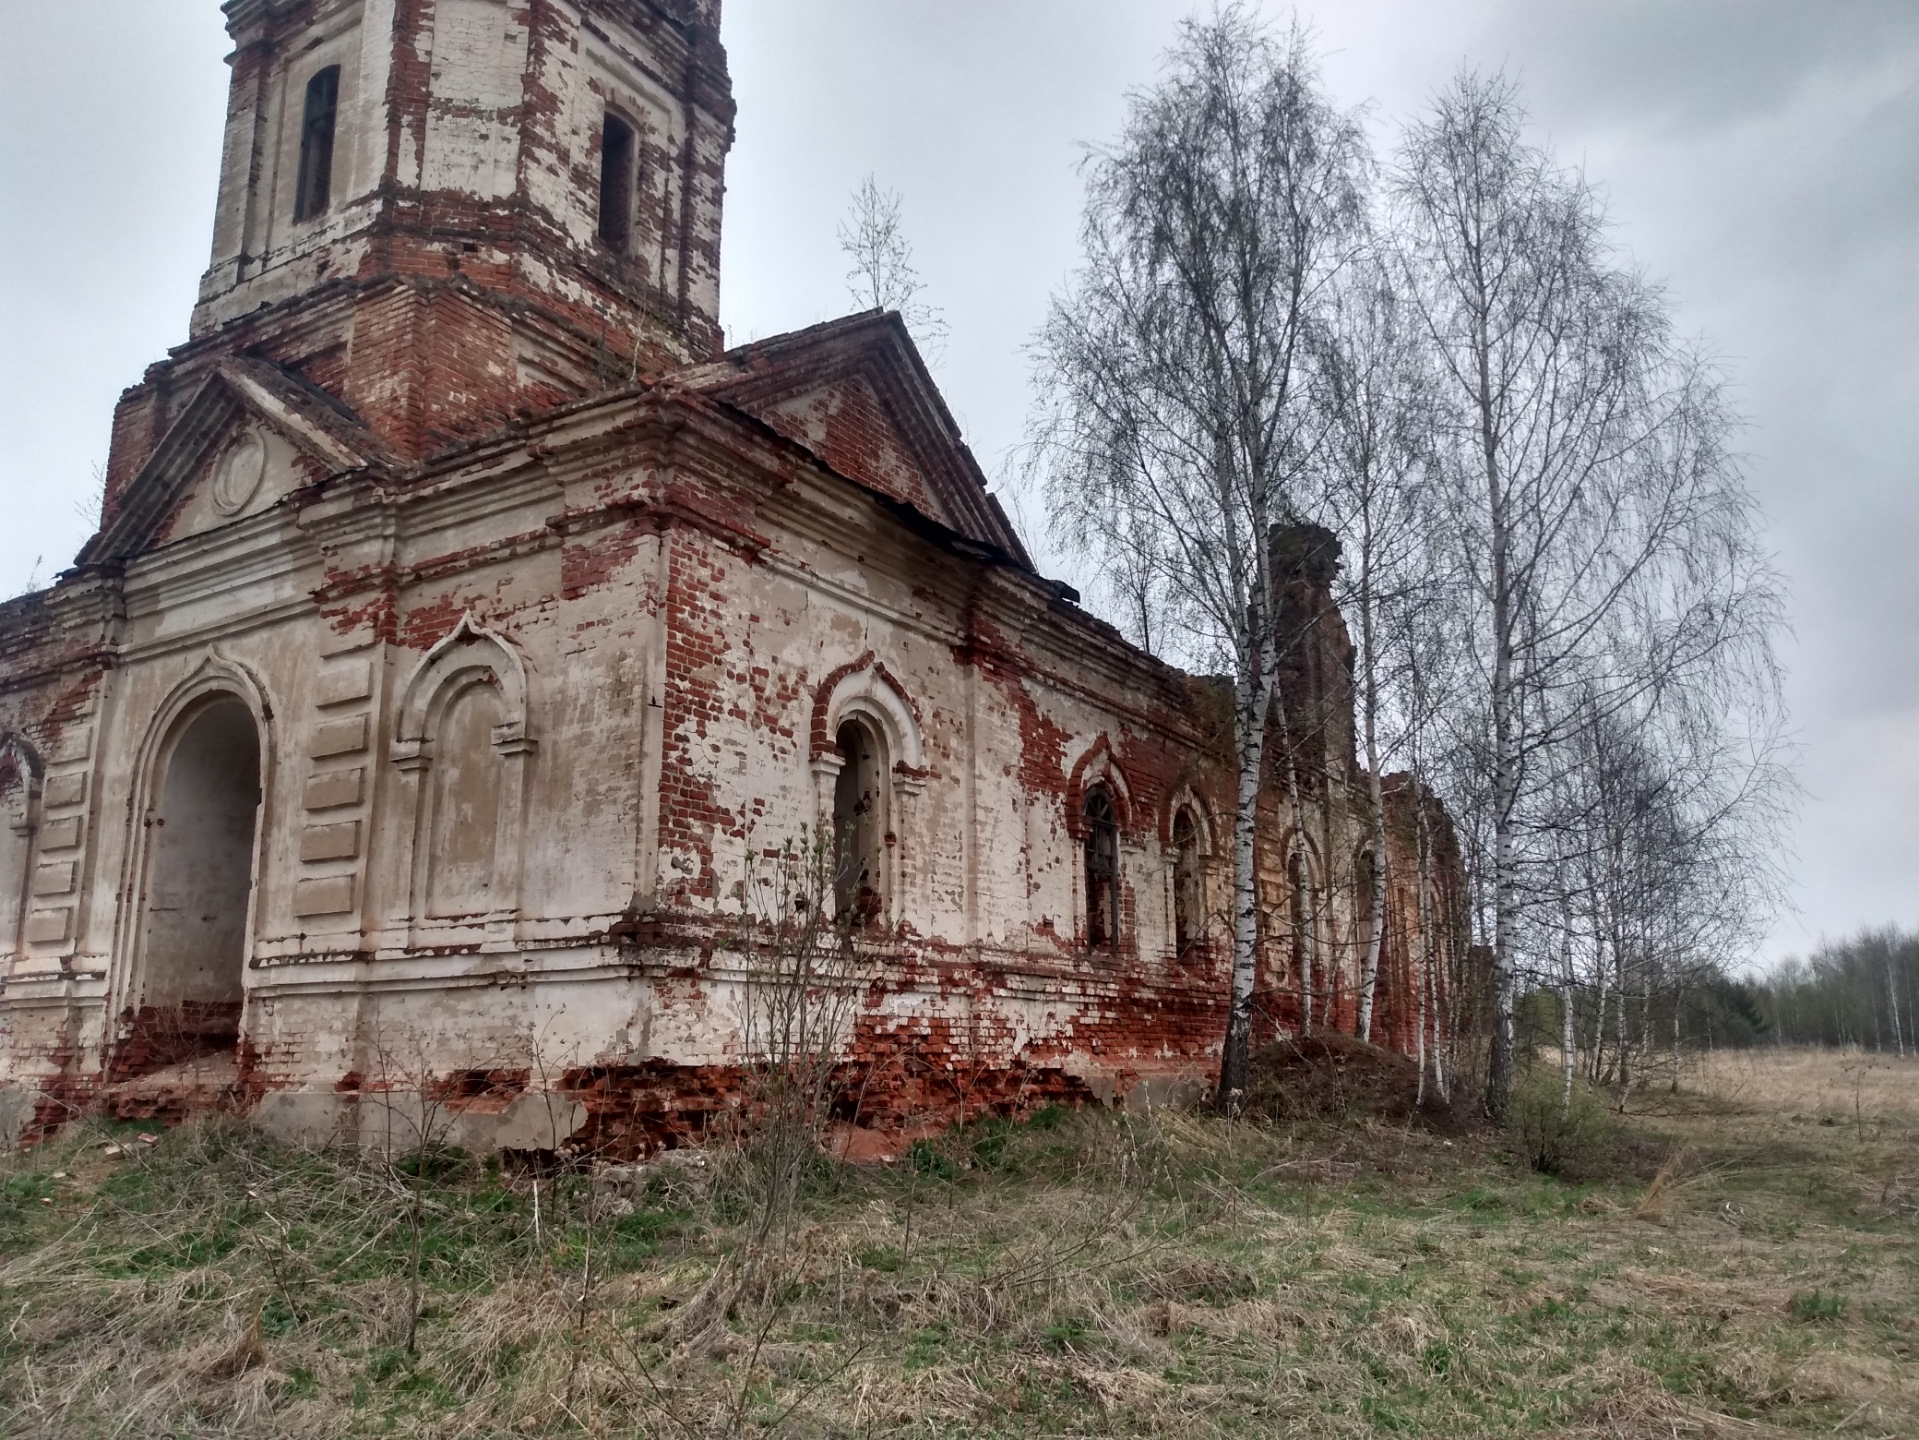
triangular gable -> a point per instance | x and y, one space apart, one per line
856 393
241 396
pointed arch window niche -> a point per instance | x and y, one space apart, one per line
464 811
1102 869
1305 938
868 771
859 825
1189 903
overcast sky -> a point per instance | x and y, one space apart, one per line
1762 157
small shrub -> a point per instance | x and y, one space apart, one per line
1572 1140
989 1143
927 1160
436 1164
1815 1307
1068 1336
30 1186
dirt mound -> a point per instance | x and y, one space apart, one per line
1337 1078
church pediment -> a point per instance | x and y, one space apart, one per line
856 393
252 434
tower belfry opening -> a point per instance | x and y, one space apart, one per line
616 184
316 144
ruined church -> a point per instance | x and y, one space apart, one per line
467 631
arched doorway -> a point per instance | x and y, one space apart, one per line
201 838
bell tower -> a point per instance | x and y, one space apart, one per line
450 213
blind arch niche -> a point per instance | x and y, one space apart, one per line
463 747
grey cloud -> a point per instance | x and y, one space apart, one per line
1700 64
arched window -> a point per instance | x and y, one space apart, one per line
859 826
616 183
1102 869
1189 906
315 190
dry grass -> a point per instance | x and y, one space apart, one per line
1081 1275
1822 1084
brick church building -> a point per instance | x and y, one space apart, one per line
467 631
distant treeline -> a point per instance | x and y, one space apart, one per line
1862 991
1853 992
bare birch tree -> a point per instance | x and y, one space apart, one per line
1604 535
873 237
1372 391
1173 417
1663 823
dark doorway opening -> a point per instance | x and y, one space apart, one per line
201 838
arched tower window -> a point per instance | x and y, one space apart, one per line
1189 909
1102 869
315 191
616 183
859 826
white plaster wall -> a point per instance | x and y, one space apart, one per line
479 65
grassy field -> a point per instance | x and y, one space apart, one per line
1741 1259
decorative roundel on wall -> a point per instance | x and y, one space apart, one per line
240 472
